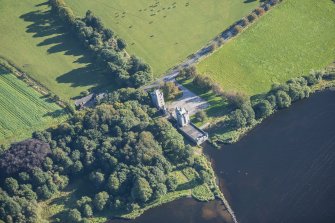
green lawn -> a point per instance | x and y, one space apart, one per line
40 46
23 110
290 41
165 32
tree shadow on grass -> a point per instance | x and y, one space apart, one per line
59 39
89 75
55 114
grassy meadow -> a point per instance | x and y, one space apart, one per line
165 32
294 38
44 49
23 110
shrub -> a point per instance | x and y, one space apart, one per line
237 99
217 89
237 29
260 11
203 82
245 21
252 17
201 116
188 72
212 47
314 78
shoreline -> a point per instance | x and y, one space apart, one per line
217 143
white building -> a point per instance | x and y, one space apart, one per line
183 117
157 98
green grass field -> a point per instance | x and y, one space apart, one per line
165 32
23 110
290 41
40 46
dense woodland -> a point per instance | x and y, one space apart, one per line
107 48
123 150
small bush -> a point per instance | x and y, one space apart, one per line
245 21
213 47
201 116
252 17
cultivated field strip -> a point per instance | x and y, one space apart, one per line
22 109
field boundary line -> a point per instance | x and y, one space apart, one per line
31 82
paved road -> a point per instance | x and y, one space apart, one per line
203 52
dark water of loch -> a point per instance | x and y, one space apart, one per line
282 171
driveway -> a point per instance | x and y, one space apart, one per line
190 101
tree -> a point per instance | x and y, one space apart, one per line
121 44
24 177
248 113
87 210
83 201
141 190
188 72
172 183
77 167
113 183
97 178
237 99
159 191
170 90
140 78
27 192
203 82
237 119
201 116
74 215
252 17
260 11
100 200
11 185
108 33
263 109
205 176
44 192
24 156
283 99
